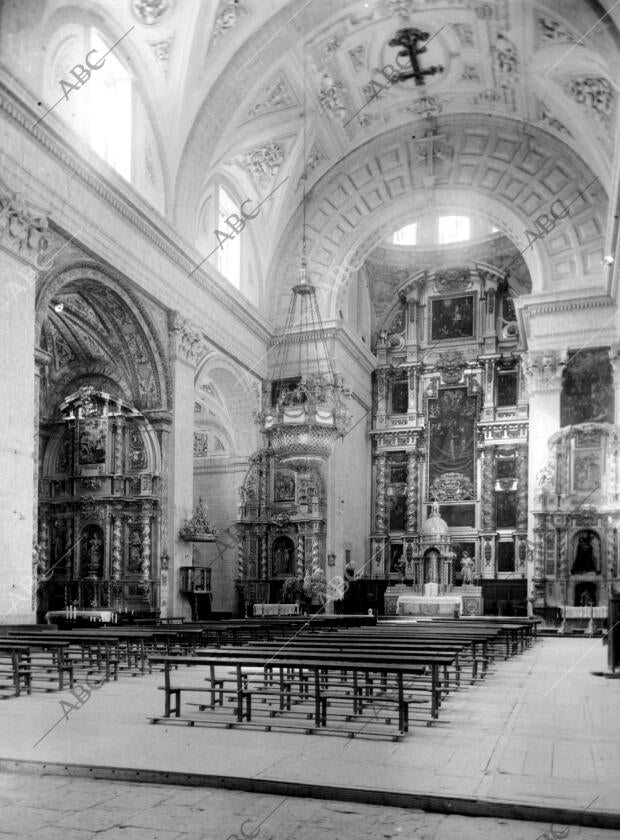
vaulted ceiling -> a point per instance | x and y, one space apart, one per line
280 96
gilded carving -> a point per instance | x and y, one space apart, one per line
380 494
412 492
488 491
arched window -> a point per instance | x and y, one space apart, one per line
406 235
99 107
452 229
228 256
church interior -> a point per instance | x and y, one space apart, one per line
344 343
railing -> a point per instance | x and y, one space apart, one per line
118 595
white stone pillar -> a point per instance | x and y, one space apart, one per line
18 465
544 374
185 350
544 378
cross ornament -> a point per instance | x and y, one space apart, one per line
409 39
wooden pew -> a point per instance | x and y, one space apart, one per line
318 667
40 657
353 660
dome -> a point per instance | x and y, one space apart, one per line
435 526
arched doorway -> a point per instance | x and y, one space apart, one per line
100 483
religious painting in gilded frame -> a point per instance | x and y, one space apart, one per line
453 318
587 470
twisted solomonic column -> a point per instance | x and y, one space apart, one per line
380 494
412 492
300 555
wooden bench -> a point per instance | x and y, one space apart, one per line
352 661
318 695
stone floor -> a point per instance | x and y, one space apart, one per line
539 731
61 808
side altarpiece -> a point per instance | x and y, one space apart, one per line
280 529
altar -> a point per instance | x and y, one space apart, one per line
432 590
430 603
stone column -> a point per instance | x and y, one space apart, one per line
22 243
186 347
544 379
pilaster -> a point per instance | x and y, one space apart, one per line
23 242
186 347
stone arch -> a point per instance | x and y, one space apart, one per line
104 336
233 401
497 168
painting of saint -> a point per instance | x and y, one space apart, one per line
451 438
452 318
398 512
91 442
587 388
587 474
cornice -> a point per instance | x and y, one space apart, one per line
549 307
126 202
336 332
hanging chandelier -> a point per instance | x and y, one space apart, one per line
304 410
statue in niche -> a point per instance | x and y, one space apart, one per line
467 569
134 565
92 550
283 557
431 558
587 553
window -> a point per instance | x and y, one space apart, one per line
110 116
228 256
407 235
101 109
452 229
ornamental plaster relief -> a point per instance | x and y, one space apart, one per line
23 230
187 342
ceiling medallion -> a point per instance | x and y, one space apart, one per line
150 11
